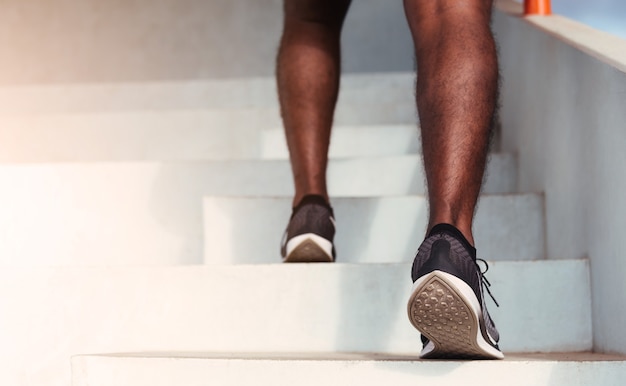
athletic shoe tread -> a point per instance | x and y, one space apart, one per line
447 303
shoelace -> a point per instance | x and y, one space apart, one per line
483 279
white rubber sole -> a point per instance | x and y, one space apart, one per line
308 248
446 311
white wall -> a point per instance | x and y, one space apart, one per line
120 40
564 113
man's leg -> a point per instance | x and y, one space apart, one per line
456 93
457 87
308 68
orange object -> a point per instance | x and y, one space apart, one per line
537 7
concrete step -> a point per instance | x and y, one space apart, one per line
151 213
360 89
100 214
199 369
387 229
134 136
49 314
352 141
400 175
160 135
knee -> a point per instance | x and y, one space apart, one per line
447 12
327 14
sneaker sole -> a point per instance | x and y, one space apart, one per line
446 311
309 248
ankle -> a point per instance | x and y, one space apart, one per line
320 198
465 229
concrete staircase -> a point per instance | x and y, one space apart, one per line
140 229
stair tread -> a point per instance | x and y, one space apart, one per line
339 369
577 356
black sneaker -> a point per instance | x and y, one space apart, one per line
447 303
310 232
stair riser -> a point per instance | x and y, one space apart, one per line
176 135
390 229
134 136
353 141
365 141
283 308
232 93
397 176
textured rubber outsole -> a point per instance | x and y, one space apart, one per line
308 251
448 316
